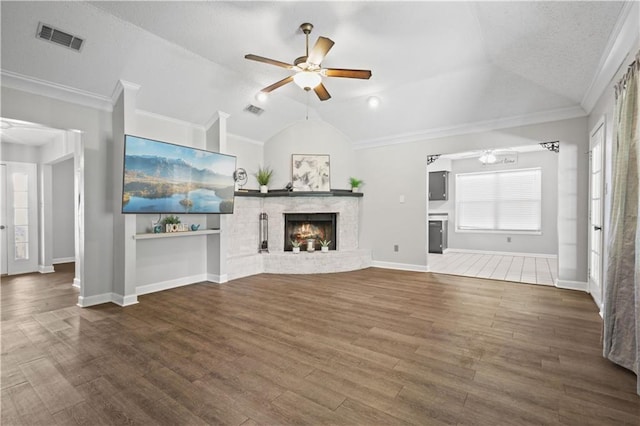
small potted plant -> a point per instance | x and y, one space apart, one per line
355 184
324 245
263 176
169 222
296 246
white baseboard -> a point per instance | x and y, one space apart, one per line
63 260
218 279
166 285
502 253
98 299
43 269
399 266
76 283
120 300
572 285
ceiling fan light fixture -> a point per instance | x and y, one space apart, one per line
262 97
307 80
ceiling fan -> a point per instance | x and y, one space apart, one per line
308 68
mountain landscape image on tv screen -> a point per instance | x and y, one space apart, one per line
161 177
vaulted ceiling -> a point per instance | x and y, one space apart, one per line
435 65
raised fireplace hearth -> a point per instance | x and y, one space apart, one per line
242 235
302 227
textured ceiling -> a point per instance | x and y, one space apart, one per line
435 64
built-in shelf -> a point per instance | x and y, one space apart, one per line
175 234
285 193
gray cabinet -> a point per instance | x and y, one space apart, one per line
437 236
438 186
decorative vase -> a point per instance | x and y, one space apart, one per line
355 189
311 245
296 249
324 249
264 189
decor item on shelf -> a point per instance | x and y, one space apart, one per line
172 223
310 172
195 227
264 233
308 69
289 187
311 245
324 245
296 246
355 184
240 177
263 176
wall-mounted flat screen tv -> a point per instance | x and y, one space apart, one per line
161 177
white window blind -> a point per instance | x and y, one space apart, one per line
507 200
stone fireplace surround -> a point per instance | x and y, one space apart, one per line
242 229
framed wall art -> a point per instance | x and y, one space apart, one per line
310 172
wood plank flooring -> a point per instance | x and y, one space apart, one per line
369 347
524 269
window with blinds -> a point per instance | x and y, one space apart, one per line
503 201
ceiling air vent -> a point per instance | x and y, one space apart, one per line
254 109
49 33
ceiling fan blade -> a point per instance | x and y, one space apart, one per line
347 73
269 61
322 92
275 85
320 50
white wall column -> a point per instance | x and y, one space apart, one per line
124 226
217 245
45 200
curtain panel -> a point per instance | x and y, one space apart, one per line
621 337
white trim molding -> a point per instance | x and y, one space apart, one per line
46 269
123 301
622 41
169 284
218 279
59 260
477 127
572 285
52 90
76 283
399 266
98 299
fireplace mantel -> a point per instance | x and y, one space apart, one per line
285 193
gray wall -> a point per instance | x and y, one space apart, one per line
400 170
62 211
95 125
546 243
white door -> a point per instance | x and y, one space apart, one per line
21 215
596 206
3 218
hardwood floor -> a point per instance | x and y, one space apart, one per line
524 269
368 347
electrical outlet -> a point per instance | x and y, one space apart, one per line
508 239
396 248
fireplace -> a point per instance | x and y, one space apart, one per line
304 226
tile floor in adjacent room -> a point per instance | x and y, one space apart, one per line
525 269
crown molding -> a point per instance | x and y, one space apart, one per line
476 127
624 37
36 86
244 139
218 115
121 85
172 120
